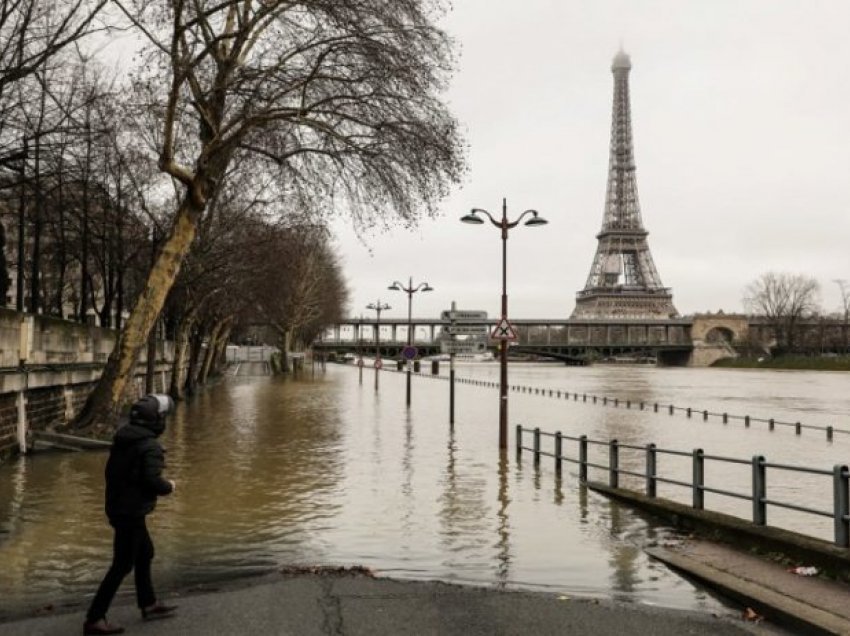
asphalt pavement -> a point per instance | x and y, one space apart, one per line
342 603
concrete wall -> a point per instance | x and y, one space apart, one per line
48 368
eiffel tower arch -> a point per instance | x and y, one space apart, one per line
623 281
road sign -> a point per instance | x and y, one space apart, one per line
409 352
504 331
378 364
360 362
463 315
463 346
467 329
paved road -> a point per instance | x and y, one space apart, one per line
345 604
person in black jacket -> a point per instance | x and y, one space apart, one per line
133 482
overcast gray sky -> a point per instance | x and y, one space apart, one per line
741 119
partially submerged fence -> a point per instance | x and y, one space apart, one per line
758 494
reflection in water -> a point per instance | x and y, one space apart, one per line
504 530
582 502
325 470
408 501
624 556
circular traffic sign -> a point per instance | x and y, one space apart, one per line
409 352
378 364
360 362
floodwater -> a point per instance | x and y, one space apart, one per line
325 470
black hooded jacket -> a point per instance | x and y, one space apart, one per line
134 470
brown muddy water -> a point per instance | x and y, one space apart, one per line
324 470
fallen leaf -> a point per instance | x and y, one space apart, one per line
752 616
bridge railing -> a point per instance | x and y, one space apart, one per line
759 466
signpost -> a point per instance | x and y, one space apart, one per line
464 322
453 347
504 331
463 315
470 329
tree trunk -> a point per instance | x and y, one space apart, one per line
285 344
221 350
195 343
104 403
178 369
150 367
212 348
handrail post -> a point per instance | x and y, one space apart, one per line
828 433
582 458
759 491
671 409
518 441
771 424
651 467
699 479
536 445
841 499
558 443
705 416
614 464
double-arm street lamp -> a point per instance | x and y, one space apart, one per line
378 307
504 225
409 290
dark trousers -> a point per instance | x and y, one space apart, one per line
132 549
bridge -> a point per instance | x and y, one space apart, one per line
698 340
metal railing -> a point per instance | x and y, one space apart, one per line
758 494
655 407
659 407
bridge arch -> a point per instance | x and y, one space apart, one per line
720 334
719 328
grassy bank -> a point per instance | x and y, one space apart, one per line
813 363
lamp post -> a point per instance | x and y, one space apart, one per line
378 307
504 225
409 290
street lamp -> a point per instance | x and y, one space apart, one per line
504 225
378 307
409 290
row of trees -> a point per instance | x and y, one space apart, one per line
790 305
196 188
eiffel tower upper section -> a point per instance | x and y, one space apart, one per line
623 281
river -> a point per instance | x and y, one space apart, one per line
325 470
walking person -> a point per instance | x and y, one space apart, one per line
133 482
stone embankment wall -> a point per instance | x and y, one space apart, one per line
48 368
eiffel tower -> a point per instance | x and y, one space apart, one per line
623 281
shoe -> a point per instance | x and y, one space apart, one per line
158 611
101 627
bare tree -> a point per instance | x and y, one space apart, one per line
784 300
34 31
300 288
340 101
844 286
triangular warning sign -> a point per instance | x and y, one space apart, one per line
504 331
